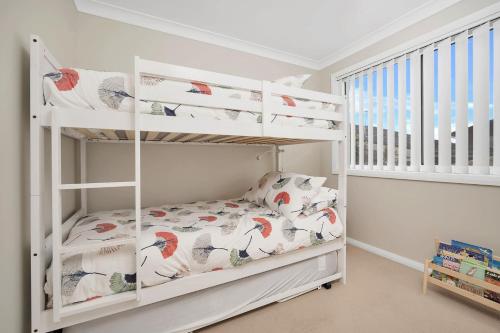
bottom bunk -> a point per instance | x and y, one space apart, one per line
181 240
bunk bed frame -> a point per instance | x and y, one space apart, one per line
145 128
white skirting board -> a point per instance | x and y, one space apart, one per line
387 254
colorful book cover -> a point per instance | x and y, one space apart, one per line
472 269
470 248
495 264
471 288
492 277
447 249
491 295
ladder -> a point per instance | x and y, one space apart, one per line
58 250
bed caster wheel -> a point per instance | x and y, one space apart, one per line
327 285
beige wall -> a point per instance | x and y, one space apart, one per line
174 173
405 216
54 20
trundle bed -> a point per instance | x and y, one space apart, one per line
173 268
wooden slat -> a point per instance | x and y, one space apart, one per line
361 126
402 113
370 119
465 293
225 138
151 136
461 79
444 106
110 134
380 117
352 110
87 133
170 137
496 98
416 111
390 115
481 133
189 137
205 138
428 109
130 135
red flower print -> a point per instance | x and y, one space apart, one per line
157 213
103 227
264 226
201 88
288 101
282 198
166 242
208 218
67 79
332 217
231 205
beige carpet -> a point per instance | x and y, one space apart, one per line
380 296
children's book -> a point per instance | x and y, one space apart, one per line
449 250
471 288
470 248
492 277
491 295
472 269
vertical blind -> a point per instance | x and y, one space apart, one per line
435 109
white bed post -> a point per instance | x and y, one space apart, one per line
36 181
277 158
83 175
137 153
342 187
56 216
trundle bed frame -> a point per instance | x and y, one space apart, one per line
144 128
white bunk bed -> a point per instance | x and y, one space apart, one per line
144 127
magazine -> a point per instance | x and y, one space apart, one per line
470 248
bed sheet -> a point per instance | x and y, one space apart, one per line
180 240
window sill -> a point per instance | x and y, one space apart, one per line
473 179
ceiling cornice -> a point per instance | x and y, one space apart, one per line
412 17
117 13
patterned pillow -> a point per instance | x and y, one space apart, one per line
326 197
257 193
290 193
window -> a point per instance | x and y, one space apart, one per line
430 111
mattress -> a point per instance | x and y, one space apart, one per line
189 312
113 91
181 240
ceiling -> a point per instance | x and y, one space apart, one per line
312 33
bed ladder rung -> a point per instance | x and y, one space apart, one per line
96 185
74 249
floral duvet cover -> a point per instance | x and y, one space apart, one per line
113 91
180 240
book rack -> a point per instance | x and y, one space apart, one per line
428 278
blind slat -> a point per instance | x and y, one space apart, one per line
370 118
390 115
444 106
415 95
402 113
496 98
428 112
481 100
461 132
380 125
352 108
361 126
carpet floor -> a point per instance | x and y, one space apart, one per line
380 296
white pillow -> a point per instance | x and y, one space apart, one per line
326 197
296 81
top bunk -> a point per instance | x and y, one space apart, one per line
168 103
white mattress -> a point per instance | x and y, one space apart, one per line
201 308
112 91
181 240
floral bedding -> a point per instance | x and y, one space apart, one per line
112 91
180 240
